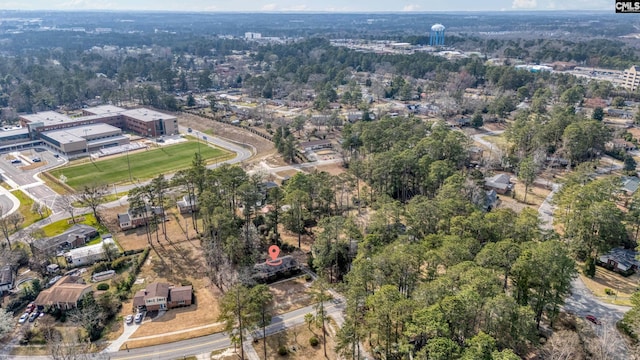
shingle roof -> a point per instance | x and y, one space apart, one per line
78 230
158 290
66 291
181 293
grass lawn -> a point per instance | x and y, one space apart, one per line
144 165
26 203
105 199
61 226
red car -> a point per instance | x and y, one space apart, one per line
30 307
593 319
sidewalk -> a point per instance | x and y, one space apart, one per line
175 332
117 343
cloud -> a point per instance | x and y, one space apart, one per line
524 4
82 4
269 7
296 8
411 7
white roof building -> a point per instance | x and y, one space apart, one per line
89 254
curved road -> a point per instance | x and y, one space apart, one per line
581 302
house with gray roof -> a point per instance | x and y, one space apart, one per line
7 279
76 236
501 183
620 260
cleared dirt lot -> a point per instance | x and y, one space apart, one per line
296 340
177 261
263 147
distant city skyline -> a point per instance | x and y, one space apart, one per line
308 6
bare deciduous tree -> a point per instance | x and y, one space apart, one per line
563 345
92 196
15 219
66 202
4 225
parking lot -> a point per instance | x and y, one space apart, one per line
19 169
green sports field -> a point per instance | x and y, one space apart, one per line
144 165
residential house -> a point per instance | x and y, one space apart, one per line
138 217
459 122
162 296
620 113
630 184
501 183
620 144
89 254
7 280
316 145
64 294
265 272
491 200
475 154
188 204
620 260
354 116
180 296
76 236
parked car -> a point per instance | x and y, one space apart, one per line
56 155
138 318
23 318
593 319
36 159
30 307
16 161
128 319
34 316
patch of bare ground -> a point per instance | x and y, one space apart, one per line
175 259
535 196
226 354
333 169
306 240
263 146
291 295
286 173
296 341
34 165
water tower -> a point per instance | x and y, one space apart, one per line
436 38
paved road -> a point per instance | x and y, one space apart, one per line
581 303
492 147
219 341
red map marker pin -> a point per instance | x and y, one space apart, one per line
274 251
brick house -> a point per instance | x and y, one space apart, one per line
162 296
138 217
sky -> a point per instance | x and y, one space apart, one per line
309 5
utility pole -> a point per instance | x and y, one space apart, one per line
129 166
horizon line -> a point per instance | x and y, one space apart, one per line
306 12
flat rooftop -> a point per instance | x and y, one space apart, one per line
146 115
47 117
105 110
77 134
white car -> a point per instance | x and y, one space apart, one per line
23 318
128 319
138 318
